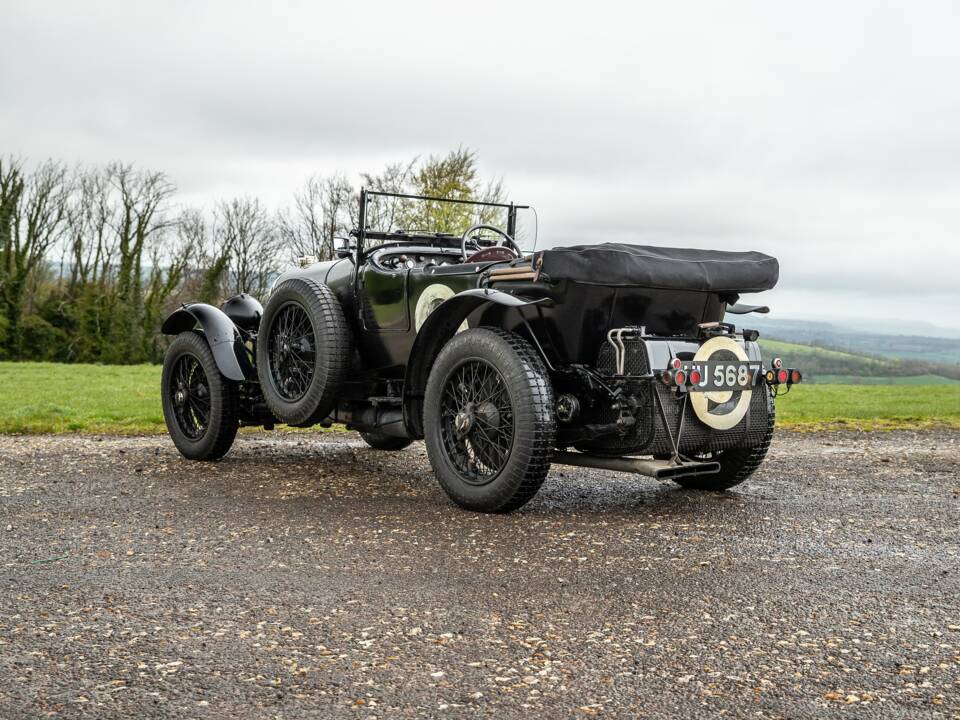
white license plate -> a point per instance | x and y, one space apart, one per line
724 375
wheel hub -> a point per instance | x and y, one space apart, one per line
477 433
179 397
489 416
463 422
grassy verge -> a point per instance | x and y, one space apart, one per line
56 398
869 407
53 398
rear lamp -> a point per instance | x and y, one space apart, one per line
777 363
771 376
680 377
666 377
782 376
675 363
795 376
695 377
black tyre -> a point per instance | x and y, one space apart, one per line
489 420
736 464
303 351
381 441
200 405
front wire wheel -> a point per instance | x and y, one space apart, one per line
190 396
489 422
200 406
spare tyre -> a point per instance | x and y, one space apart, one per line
303 350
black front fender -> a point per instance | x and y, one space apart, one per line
222 336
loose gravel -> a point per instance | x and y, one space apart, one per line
309 576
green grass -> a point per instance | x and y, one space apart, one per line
869 407
54 398
880 380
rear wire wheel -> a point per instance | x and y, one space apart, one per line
489 422
736 464
200 406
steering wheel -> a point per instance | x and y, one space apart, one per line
505 240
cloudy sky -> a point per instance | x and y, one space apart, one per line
827 134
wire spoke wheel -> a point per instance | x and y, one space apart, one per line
190 396
476 421
200 405
291 352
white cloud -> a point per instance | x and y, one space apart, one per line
827 134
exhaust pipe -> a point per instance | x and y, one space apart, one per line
388 420
659 469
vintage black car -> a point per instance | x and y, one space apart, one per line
503 359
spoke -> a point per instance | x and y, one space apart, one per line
293 368
201 413
477 388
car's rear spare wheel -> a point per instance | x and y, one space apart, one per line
303 349
489 421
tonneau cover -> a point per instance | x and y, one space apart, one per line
617 264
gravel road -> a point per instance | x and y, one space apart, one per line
309 576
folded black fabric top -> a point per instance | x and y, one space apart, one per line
616 264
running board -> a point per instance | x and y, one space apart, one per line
659 469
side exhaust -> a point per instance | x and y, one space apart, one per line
659 469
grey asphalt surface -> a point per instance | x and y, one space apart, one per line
309 576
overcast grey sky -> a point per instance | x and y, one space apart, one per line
827 134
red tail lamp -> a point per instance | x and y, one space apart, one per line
782 375
680 377
795 376
695 377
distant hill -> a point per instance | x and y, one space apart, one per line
885 343
827 365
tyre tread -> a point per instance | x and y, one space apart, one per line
535 442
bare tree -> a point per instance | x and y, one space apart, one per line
205 280
323 210
90 240
32 212
171 253
245 231
384 213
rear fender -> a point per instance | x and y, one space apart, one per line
221 334
439 327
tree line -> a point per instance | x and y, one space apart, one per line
92 258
